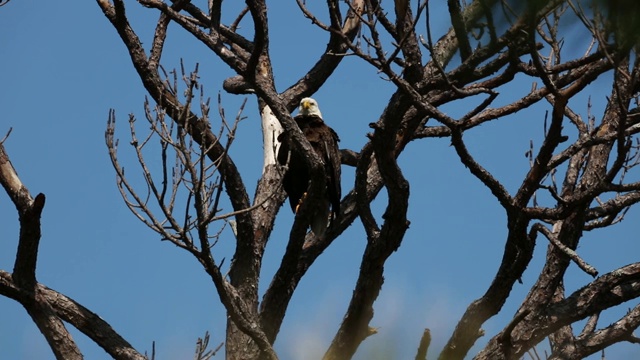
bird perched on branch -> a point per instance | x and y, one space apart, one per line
297 176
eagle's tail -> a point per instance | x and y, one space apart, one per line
320 220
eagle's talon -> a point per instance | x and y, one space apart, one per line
304 196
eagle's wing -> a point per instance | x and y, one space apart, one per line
283 151
332 166
294 179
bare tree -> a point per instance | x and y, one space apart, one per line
580 177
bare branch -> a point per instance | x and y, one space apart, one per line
425 341
566 250
75 314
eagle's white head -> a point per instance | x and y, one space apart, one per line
309 106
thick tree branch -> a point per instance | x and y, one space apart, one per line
355 325
459 28
29 211
608 290
593 342
75 314
22 284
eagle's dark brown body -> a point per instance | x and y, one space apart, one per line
296 178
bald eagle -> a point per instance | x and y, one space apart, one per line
296 177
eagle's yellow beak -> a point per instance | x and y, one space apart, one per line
305 104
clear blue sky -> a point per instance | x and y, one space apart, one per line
63 67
